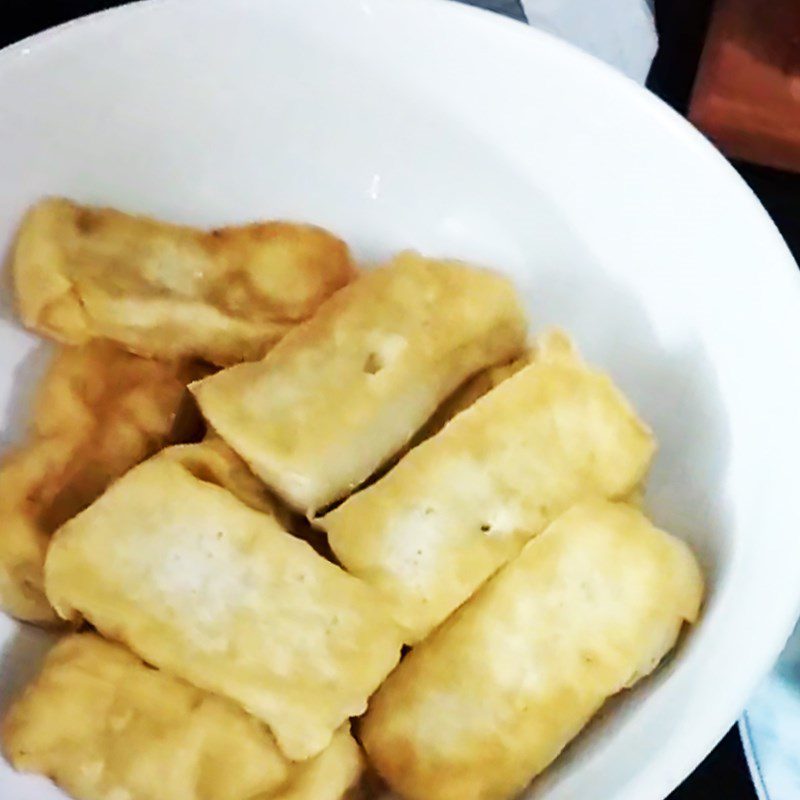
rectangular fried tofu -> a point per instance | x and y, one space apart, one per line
170 291
202 585
465 501
492 697
102 725
349 388
99 411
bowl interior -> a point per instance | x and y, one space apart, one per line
422 124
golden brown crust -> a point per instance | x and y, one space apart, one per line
492 697
170 291
103 725
99 411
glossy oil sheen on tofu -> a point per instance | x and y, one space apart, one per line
99 411
202 585
492 697
345 391
171 291
464 502
104 726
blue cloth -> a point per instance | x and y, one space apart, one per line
511 8
770 728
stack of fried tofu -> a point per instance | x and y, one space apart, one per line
385 467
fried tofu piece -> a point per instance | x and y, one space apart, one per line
328 776
348 389
493 696
470 391
464 502
99 412
461 399
212 461
29 482
104 725
204 586
171 291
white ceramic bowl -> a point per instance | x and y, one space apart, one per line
420 123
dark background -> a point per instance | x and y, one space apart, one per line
681 26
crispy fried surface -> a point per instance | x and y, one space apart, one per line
464 502
99 412
345 391
202 585
103 725
170 291
493 696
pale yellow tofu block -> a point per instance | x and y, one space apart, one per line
464 502
171 291
99 411
104 726
204 586
340 394
492 697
